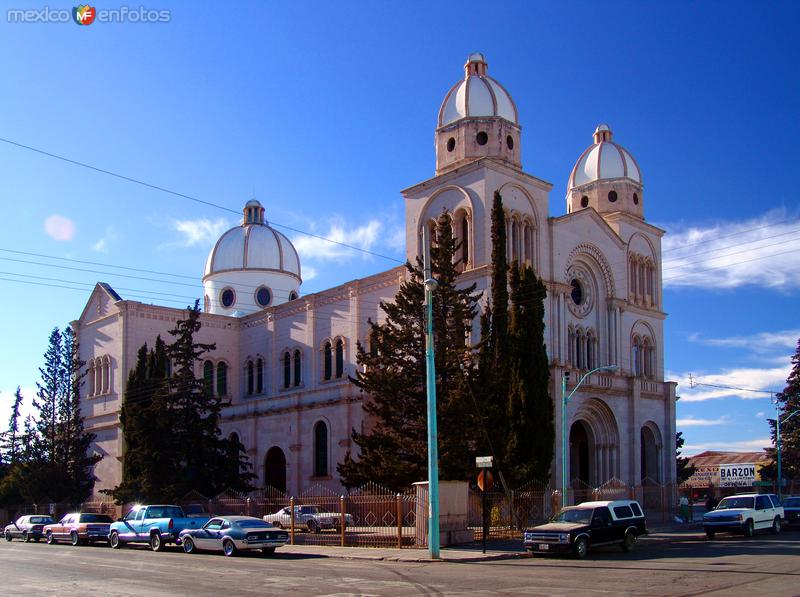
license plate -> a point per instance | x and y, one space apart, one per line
544 547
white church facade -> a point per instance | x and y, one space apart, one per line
283 358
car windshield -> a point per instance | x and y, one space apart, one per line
581 515
792 502
41 520
95 518
730 503
254 524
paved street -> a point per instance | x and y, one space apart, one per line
666 564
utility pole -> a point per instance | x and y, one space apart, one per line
430 365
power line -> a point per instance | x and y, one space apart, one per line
189 197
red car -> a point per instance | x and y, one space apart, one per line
79 528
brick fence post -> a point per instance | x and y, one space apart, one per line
399 508
291 524
342 519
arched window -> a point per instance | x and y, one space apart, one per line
259 376
632 267
327 359
571 347
646 358
287 369
106 374
527 244
590 351
208 378
98 376
636 351
222 379
90 376
339 358
464 239
514 254
250 381
579 340
298 371
320 449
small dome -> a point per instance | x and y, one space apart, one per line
604 160
253 245
477 94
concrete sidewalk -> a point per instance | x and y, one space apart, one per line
495 550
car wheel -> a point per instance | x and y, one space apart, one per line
49 538
581 548
629 541
268 551
188 545
748 528
74 539
228 548
156 543
113 540
313 526
710 533
25 536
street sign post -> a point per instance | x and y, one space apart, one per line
483 461
485 484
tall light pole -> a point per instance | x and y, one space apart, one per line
430 365
778 444
564 440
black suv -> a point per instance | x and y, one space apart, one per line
591 524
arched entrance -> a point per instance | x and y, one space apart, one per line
594 444
581 445
275 468
650 453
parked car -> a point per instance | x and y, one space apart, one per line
744 513
27 527
791 510
312 518
231 534
79 528
156 525
576 529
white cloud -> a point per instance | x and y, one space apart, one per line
110 235
692 422
309 273
760 414
199 231
747 445
59 227
364 237
783 341
763 251
761 379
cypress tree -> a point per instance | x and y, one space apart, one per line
392 374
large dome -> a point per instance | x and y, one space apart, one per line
253 246
477 94
604 160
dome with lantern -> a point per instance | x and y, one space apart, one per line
604 159
252 266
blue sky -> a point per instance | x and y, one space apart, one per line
325 111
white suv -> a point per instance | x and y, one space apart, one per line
744 513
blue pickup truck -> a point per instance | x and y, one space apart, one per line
156 525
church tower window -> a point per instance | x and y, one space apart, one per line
612 196
227 297
339 358
327 357
222 379
250 384
298 371
320 449
287 369
208 378
259 376
482 138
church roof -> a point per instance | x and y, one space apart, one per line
477 94
604 160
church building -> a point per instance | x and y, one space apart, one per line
283 358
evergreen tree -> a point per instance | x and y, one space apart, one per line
392 374
48 397
684 471
13 438
788 403
204 457
531 430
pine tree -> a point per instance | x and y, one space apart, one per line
50 390
205 458
13 439
392 373
789 403
531 430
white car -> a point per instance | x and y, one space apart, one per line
744 513
312 518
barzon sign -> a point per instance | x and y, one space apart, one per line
737 475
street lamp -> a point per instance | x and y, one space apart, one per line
564 399
778 444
